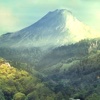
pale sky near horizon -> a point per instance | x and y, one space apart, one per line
18 14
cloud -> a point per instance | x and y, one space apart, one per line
7 20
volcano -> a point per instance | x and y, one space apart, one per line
55 29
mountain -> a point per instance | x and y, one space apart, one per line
55 29
54 59
38 43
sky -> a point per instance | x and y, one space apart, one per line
18 14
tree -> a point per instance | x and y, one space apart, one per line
93 97
1 95
19 96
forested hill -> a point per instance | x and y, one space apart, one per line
74 73
70 72
68 53
20 85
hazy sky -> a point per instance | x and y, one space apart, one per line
17 14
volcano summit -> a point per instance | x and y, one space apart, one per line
55 29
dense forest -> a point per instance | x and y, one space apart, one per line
20 85
65 73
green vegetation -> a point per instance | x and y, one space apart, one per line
20 85
66 72
19 96
93 97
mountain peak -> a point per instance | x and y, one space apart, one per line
56 28
58 17
61 12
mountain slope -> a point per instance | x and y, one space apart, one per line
75 68
66 54
20 85
55 29
69 69
72 78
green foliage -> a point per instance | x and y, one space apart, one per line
1 95
19 96
32 96
71 71
20 85
74 69
93 97
59 96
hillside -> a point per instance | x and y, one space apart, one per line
20 85
78 74
56 58
66 54
75 73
